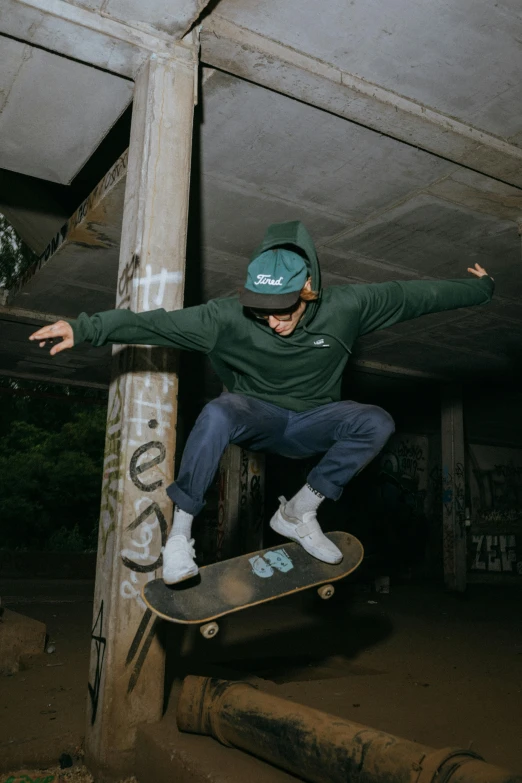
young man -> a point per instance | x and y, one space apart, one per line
280 348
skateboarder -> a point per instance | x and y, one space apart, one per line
280 348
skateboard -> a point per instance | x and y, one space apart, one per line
231 585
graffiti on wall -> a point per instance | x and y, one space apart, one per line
404 464
496 554
496 486
495 480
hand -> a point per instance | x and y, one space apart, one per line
478 271
61 329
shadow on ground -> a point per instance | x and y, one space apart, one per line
298 638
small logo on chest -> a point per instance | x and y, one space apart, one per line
321 343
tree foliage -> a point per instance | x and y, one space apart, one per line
51 457
51 446
15 256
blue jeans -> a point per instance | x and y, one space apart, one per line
348 434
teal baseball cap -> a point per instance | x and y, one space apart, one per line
274 280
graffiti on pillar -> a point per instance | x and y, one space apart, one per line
111 493
252 501
111 499
452 495
453 500
222 509
100 643
150 414
149 436
124 287
256 497
145 536
496 554
150 287
243 481
153 287
139 646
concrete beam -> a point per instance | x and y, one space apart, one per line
61 27
258 59
32 316
381 368
28 376
68 259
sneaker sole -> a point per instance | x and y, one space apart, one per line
183 578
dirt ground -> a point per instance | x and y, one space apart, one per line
431 667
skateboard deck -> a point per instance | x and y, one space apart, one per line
231 585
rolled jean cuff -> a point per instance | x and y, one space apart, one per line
185 503
322 485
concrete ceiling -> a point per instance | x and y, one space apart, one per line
463 58
53 112
378 208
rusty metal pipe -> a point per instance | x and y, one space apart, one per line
318 747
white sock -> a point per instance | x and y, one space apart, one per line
307 499
182 524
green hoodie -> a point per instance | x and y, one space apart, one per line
303 370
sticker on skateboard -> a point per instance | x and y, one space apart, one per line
231 585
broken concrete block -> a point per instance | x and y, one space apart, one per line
19 635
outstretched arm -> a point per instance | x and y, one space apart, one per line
193 329
384 304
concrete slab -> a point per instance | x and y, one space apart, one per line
462 58
296 152
19 636
53 111
433 237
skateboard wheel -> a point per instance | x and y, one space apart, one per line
326 591
209 630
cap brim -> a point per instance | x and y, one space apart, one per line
268 301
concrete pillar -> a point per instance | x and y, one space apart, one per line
241 502
453 489
126 676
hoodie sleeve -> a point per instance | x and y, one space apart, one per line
385 304
192 329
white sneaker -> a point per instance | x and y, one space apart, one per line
307 532
178 560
